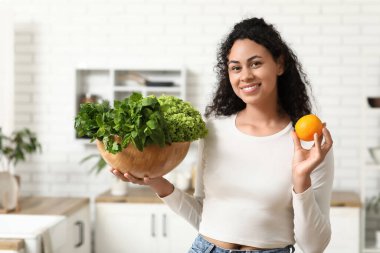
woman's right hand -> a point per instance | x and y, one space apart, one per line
159 184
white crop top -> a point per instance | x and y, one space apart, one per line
244 192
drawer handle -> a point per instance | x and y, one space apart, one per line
80 225
164 233
152 225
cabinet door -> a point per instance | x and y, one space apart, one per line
345 230
123 228
79 231
177 232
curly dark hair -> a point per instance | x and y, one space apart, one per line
292 84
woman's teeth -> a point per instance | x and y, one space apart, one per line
251 87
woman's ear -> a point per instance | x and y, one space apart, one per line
280 65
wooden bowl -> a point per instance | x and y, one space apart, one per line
154 161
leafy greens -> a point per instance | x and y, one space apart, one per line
141 121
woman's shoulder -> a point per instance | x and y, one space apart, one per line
217 125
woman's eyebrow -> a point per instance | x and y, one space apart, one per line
249 59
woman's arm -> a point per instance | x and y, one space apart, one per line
313 175
312 209
190 207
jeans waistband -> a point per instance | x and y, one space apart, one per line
209 247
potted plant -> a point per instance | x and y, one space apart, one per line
13 150
145 136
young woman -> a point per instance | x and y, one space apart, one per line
258 190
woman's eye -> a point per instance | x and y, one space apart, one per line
255 64
235 68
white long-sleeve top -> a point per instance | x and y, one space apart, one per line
244 192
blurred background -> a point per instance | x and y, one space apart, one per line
51 51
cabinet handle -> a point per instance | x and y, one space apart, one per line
152 225
80 225
164 225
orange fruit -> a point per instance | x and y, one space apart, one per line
307 125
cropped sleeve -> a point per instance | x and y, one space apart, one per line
185 205
312 209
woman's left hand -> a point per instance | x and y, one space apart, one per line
306 160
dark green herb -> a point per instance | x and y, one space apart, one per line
136 119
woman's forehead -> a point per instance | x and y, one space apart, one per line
246 49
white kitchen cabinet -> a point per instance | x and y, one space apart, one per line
345 227
140 227
78 232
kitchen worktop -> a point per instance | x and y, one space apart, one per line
146 195
38 205
51 205
12 244
135 195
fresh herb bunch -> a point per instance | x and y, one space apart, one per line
136 119
184 122
141 121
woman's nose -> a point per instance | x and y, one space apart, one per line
246 75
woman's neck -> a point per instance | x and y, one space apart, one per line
265 115
261 122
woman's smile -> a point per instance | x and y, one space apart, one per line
250 88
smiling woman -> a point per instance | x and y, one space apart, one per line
257 190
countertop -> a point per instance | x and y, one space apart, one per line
51 205
12 244
345 199
135 195
146 195
43 206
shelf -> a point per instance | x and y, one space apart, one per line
116 83
147 89
372 166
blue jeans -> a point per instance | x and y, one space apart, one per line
200 245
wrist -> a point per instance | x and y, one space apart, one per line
301 183
162 187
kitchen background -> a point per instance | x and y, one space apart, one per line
336 40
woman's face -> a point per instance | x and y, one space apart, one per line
253 72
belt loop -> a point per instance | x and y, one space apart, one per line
210 248
292 249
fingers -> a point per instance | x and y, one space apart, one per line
119 175
134 179
127 177
328 140
317 142
296 140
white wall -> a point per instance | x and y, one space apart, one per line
336 40
6 71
